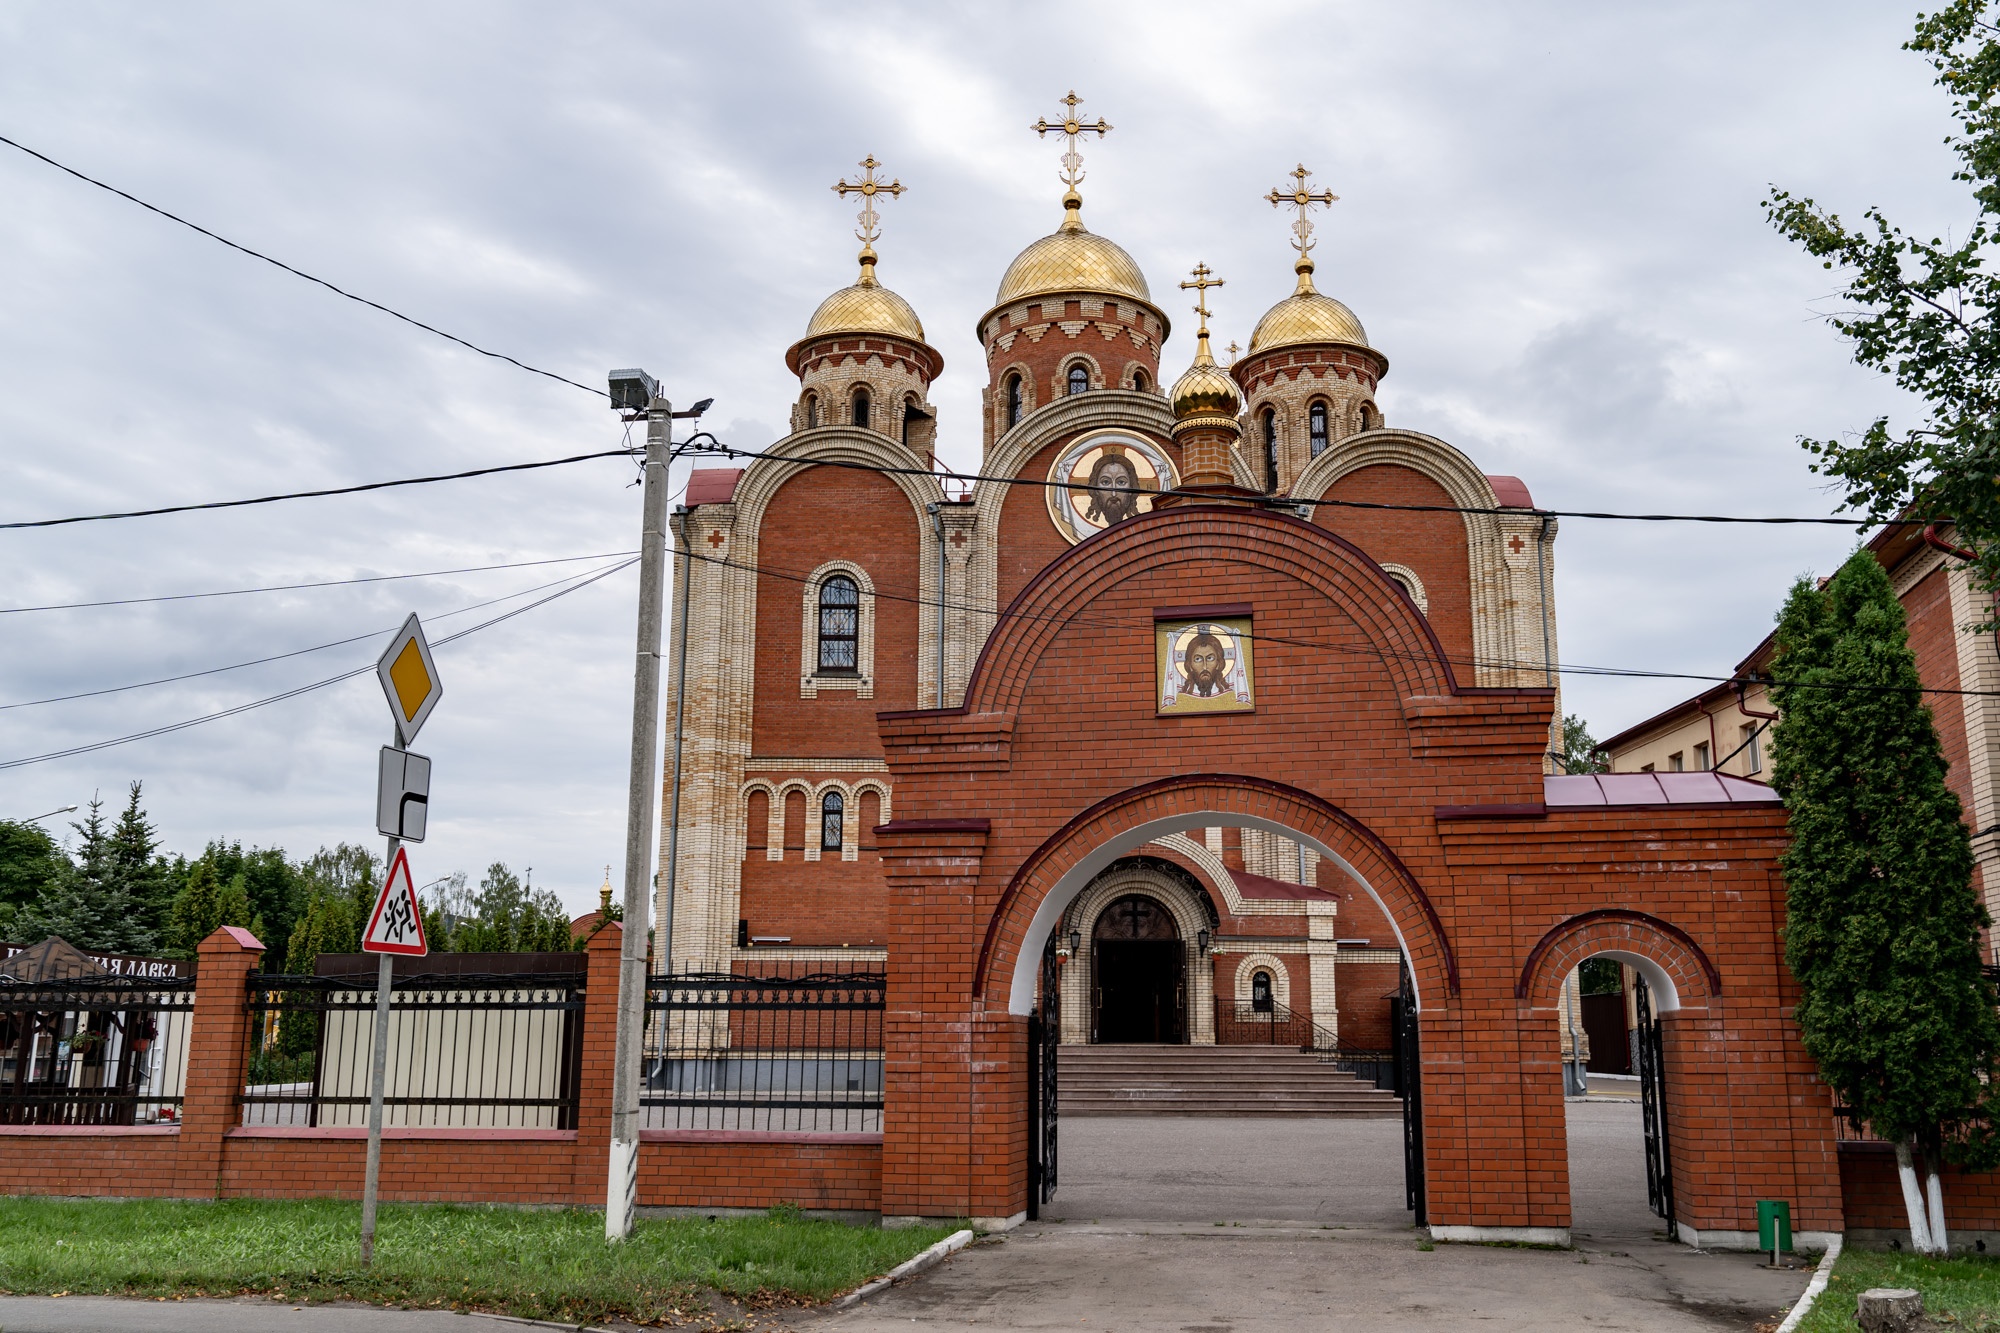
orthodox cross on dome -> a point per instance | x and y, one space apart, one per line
868 187
1301 198
1202 282
1070 127
1233 351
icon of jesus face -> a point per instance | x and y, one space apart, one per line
1204 665
1113 490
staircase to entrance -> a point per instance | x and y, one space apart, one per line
1213 1080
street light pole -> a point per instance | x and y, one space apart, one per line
622 1182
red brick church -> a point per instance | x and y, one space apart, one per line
1217 700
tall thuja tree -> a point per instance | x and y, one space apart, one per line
1923 312
1882 923
88 901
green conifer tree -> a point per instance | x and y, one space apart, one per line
204 903
1882 923
135 858
29 858
87 902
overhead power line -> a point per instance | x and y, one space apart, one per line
280 657
322 583
301 273
1286 502
184 724
1368 650
330 490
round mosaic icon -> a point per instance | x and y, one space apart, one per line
1105 479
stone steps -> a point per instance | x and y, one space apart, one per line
1212 1080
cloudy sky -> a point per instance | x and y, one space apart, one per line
1550 224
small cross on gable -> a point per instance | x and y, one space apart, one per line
715 537
958 539
1515 544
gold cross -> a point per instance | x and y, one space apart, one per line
1202 282
1070 126
1302 199
868 188
1233 349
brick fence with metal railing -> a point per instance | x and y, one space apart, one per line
240 1084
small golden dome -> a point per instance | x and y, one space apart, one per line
1071 259
866 307
1306 316
1206 389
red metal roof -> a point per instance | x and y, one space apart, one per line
1264 888
712 485
1511 492
1627 790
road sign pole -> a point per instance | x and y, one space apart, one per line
622 1181
378 1073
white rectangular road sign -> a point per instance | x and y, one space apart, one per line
403 794
397 923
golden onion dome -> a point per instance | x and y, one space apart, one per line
1306 316
1071 259
1206 388
866 307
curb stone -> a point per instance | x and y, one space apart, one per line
1813 1288
930 1258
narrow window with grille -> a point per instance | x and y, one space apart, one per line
1079 378
1013 400
839 625
1316 428
832 814
1270 450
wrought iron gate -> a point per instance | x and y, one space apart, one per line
1653 1105
1409 1086
1044 1035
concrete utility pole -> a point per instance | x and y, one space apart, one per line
622 1184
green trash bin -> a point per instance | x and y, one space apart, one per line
1774 1225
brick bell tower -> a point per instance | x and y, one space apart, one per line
1310 375
1072 313
1206 411
864 362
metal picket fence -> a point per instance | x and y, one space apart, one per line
94 1051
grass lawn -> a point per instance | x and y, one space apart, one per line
1966 1291
542 1265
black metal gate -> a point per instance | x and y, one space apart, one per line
1653 1105
1409 1086
1044 1034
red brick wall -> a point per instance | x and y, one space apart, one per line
1934 640
822 514
1431 544
1364 991
823 902
1873 1197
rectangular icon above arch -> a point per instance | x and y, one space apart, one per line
1205 665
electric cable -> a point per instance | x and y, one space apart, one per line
184 724
279 657
323 583
1286 502
300 273
309 495
1373 651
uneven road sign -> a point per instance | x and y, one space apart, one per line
403 794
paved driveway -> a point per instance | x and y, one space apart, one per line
1312 1236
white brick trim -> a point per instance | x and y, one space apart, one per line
811 680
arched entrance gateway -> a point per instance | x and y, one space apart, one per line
1421 796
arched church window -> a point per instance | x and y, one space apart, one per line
1270 450
861 408
839 625
1079 377
1261 999
812 410
832 813
1370 418
1316 428
911 415
1139 381
1013 401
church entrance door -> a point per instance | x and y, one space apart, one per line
1139 966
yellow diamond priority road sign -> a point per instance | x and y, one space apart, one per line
410 679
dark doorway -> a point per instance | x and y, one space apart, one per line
1603 985
1139 974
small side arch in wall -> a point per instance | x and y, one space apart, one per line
1677 971
1281 978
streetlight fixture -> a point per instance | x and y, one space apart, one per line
36 819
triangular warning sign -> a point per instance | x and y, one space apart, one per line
397 923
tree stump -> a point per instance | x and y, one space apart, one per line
1891 1310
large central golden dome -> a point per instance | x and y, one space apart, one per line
1072 259
1306 316
866 307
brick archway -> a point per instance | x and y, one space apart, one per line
1676 969
1051 877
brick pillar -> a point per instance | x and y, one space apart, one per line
218 1052
600 1035
933 1143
